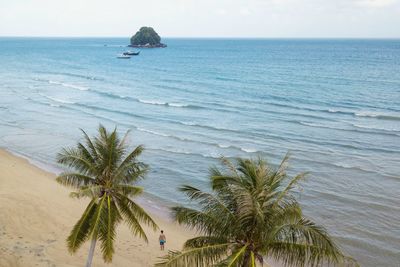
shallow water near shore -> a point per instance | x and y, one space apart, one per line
334 104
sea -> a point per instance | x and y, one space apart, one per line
333 104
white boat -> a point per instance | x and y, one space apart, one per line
123 56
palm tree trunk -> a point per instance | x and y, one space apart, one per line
91 252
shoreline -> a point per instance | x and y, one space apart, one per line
38 215
146 199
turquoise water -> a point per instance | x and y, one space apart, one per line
334 104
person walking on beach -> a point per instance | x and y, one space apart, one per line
162 240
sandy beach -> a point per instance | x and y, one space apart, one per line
37 215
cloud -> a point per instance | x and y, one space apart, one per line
221 11
207 18
244 11
375 3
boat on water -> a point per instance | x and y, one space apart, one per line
123 56
131 53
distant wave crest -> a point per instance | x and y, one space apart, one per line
78 87
224 146
57 99
168 104
378 115
374 127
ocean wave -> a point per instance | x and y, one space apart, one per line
73 86
351 167
68 85
214 128
249 150
227 79
374 129
168 104
153 132
224 146
112 45
143 101
56 99
318 125
339 111
152 102
182 152
313 124
178 105
126 113
378 115
86 77
370 127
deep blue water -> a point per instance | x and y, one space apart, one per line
334 104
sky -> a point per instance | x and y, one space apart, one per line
203 18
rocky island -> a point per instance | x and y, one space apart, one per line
146 37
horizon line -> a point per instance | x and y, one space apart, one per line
204 37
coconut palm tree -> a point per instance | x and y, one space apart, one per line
251 213
105 171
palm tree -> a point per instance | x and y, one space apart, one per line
250 213
103 170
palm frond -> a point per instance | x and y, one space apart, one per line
92 191
306 255
128 190
122 144
201 241
90 145
207 223
80 232
290 186
107 231
131 220
97 216
131 172
208 202
305 231
203 256
73 158
137 211
75 180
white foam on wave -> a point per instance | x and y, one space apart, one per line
378 115
311 124
374 127
152 102
223 145
248 150
349 166
73 86
189 123
153 132
57 99
162 103
178 105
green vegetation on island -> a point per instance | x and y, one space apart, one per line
146 37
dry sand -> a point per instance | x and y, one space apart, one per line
36 215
